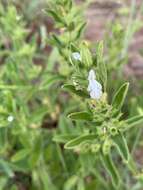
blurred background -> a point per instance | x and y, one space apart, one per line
99 16
119 23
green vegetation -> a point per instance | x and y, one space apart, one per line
65 120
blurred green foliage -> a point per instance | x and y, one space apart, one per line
52 134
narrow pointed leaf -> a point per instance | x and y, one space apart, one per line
80 116
75 142
132 122
101 65
63 138
122 146
20 155
49 81
71 182
86 56
120 96
136 120
80 31
72 89
57 41
54 15
111 169
5 167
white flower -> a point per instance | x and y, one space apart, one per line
94 87
18 18
10 118
76 56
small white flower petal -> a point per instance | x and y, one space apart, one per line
91 75
94 87
76 56
96 94
10 118
18 18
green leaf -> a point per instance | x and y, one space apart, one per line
131 122
81 185
121 144
39 114
81 116
102 71
5 167
63 138
36 152
57 41
20 155
134 121
73 48
48 81
44 177
120 96
71 182
75 142
69 4
55 15
80 30
3 182
111 169
99 51
107 146
72 89
20 166
86 56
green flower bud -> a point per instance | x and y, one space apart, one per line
107 146
84 147
95 148
113 131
